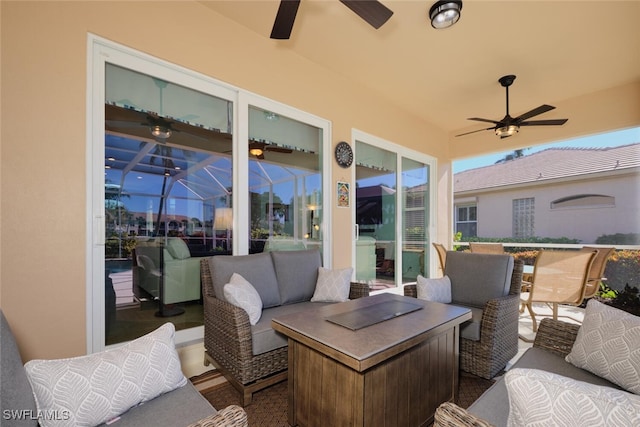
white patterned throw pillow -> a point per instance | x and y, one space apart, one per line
241 293
541 398
608 345
332 285
90 390
438 290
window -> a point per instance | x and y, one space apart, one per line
584 201
174 176
467 220
523 218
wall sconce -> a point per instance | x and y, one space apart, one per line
445 13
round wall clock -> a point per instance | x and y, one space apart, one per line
344 154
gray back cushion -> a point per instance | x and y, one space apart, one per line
476 278
257 269
15 390
297 273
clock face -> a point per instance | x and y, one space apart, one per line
344 154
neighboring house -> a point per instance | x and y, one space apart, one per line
578 193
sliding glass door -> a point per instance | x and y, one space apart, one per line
392 213
185 167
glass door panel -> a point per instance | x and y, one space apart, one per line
415 220
285 182
168 185
376 184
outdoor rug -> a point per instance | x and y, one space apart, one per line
269 406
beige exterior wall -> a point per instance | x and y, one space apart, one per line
495 211
43 137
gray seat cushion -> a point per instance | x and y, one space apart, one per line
264 338
493 405
478 278
15 390
471 328
257 269
297 273
180 407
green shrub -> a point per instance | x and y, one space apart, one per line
619 239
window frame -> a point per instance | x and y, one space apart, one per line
101 51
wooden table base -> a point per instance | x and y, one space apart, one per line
404 390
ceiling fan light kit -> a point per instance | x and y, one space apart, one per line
510 126
445 13
506 131
160 131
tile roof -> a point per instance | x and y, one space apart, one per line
552 163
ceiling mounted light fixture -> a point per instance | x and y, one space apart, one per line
161 132
506 131
445 13
255 151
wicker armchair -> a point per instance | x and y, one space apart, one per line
228 342
498 331
554 336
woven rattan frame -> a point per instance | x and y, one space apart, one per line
554 336
498 331
228 342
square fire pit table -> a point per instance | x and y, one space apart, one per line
395 372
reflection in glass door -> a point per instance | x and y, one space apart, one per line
392 213
415 220
168 185
285 183
376 185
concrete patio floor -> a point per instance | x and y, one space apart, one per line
566 313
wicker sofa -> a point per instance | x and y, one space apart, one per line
252 357
554 341
181 406
490 339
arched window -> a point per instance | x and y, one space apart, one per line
583 201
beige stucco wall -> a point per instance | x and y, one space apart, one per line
43 138
585 224
44 63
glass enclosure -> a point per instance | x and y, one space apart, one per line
168 182
392 243
170 155
285 183
376 184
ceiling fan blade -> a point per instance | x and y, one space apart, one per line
372 11
474 131
536 111
278 149
553 122
477 119
285 18
124 124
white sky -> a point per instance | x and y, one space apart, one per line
611 139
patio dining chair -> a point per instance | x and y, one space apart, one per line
559 277
596 273
442 254
486 248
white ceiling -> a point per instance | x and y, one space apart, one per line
557 49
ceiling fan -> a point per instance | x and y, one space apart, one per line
258 148
372 11
509 126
